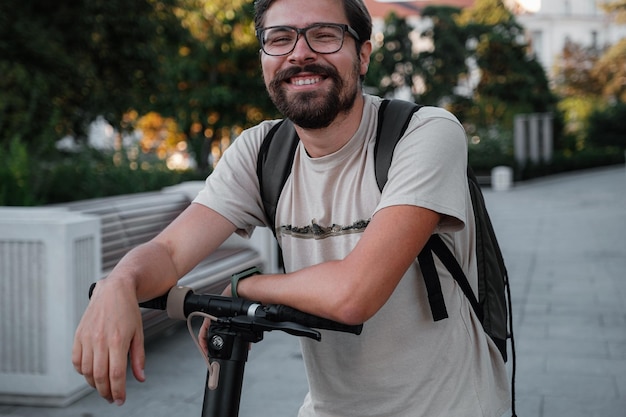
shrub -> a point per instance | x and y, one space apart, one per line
26 180
490 148
571 161
16 175
606 127
93 174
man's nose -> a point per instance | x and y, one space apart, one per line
302 50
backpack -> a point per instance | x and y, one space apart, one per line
492 306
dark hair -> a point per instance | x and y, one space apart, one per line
358 16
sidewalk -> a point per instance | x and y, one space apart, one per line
564 240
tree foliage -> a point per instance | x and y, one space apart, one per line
511 81
481 42
186 69
64 63
214 87
589 82
573 71
394 61
617 8
445 65
610 72
607 128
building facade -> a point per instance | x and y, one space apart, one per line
558 21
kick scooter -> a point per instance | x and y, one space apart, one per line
235 323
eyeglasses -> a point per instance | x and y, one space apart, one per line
322 38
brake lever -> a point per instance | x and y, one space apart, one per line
262 325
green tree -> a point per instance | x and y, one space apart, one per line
393 62
610 72
607 128
445 65
511 81
214 86
579 91
430 63
573 74
63 63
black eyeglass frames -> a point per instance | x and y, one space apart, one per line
322 38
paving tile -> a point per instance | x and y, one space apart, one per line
586 387
529 406
556 406
584 366
545 347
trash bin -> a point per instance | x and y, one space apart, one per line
501 178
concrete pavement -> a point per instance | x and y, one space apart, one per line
564 240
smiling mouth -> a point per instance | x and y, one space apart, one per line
299 81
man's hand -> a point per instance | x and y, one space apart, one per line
111 328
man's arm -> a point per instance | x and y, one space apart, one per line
353 289
111 326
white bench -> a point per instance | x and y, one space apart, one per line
129 220
50 255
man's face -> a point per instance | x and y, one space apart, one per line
310 88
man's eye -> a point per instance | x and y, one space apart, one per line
277 39
324 35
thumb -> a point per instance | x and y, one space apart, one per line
138 356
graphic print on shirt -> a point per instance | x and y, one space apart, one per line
317 231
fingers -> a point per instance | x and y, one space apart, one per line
83 361
110 330
100 375
202 335
103 369
138 356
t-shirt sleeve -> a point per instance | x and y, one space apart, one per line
232 189
429 168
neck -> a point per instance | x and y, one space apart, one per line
321 142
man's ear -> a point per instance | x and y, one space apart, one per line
365 53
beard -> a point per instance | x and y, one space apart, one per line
314 109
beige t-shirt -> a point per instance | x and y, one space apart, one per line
404 363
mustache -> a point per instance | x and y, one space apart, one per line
310 68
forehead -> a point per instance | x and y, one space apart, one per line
301 13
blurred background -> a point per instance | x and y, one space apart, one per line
108 97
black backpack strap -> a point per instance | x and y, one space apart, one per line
437 246
432 283
274 164
394 117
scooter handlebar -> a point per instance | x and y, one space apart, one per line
180 301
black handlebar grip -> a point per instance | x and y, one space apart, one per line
91 288
277 312
159 303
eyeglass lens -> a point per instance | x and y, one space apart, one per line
323 39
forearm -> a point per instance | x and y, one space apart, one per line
148 269
325 290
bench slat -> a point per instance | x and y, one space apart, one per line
130 220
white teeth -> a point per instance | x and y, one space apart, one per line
306 81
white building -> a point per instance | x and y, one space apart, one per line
549 24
